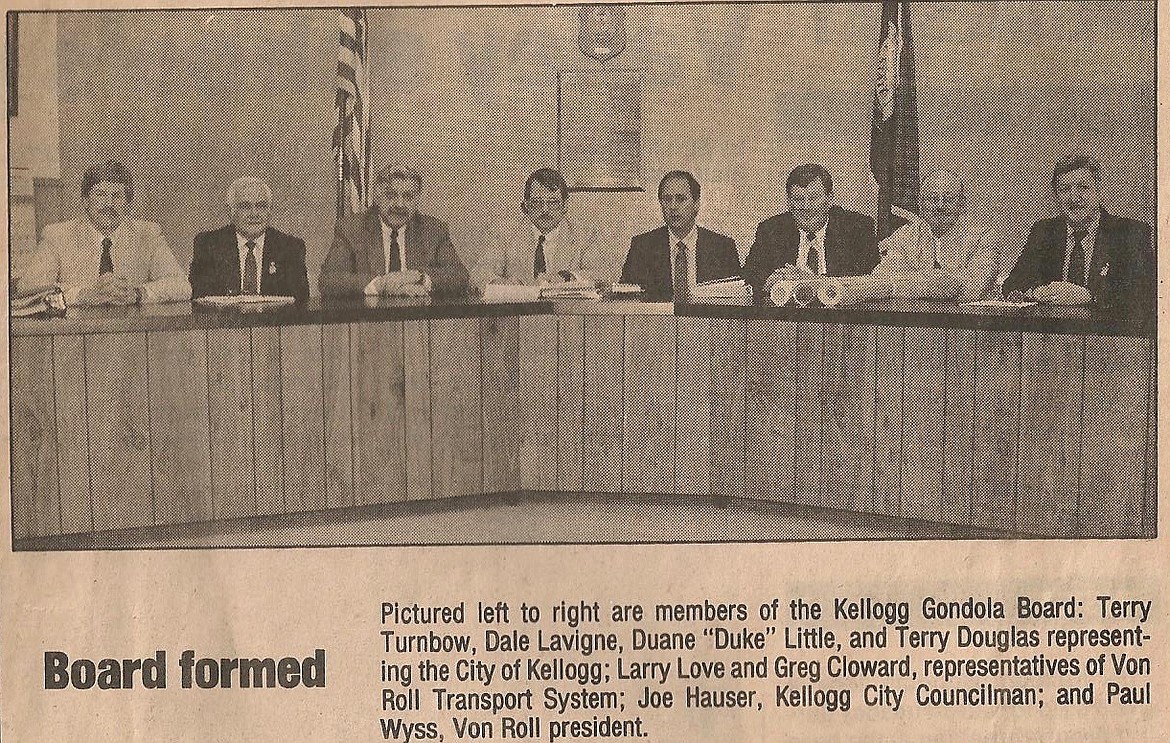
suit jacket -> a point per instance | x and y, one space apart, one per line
511 251
68 256
851 247
215 265
649 261
1122 274
356 256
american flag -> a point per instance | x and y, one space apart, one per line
893 154
351 138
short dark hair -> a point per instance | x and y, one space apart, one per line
692 182
550 179
110 171
385 175
804 175
1064 167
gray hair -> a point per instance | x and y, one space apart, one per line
248 180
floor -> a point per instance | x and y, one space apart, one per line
529 518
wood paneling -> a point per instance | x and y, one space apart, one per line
959 423
36 505
923 422
648 432
538 403
119 430
268 442
695 397
570 403
604 382
1113 463
769 380
180 432
1050 432
416 336
997 428
233 462
887 463
72 434
379 418
501 404
456 415
807 358
303 418
847 442
728 406
337 391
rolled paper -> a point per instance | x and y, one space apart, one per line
805 293
782 292
853 290
926 285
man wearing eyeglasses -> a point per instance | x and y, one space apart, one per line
542 247
393 249
107 257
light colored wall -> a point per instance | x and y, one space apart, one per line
739 94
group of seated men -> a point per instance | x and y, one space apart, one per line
107 258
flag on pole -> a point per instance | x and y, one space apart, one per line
351 138
893 154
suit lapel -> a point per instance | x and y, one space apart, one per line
229 255
832 239
270 258
1102 250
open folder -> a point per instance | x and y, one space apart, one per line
732 287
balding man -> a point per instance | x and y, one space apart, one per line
945 238
248 256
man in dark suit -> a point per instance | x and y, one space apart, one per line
670 260
248 256
1086 255
392 249
814 236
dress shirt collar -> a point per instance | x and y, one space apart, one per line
1091 228
687 239
549 237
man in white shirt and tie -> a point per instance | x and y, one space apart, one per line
107 258
542 246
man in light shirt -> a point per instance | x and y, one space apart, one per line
249 256
392 249
944 238
668 262
543 246
814 237
1086 255
106 257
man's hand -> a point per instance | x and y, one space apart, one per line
787 273
400 278
1062 293
108 289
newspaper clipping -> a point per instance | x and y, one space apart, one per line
685 372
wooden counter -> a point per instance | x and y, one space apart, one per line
1038 423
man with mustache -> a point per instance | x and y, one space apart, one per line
814 237
107 258
945 238
392 249
248 256
669 261
543 246
1086 255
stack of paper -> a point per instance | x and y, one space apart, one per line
729 288
570 290
241 300
851 290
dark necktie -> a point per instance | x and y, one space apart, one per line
680 272
250 268
107 262
538 264
1076 261
813 263
395 261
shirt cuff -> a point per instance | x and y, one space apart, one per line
148 295
371 289
71 295
426 282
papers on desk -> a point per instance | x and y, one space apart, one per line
510 293
626 289
729 288
45 300
245 300
996 303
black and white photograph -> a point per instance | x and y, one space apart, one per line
582 274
